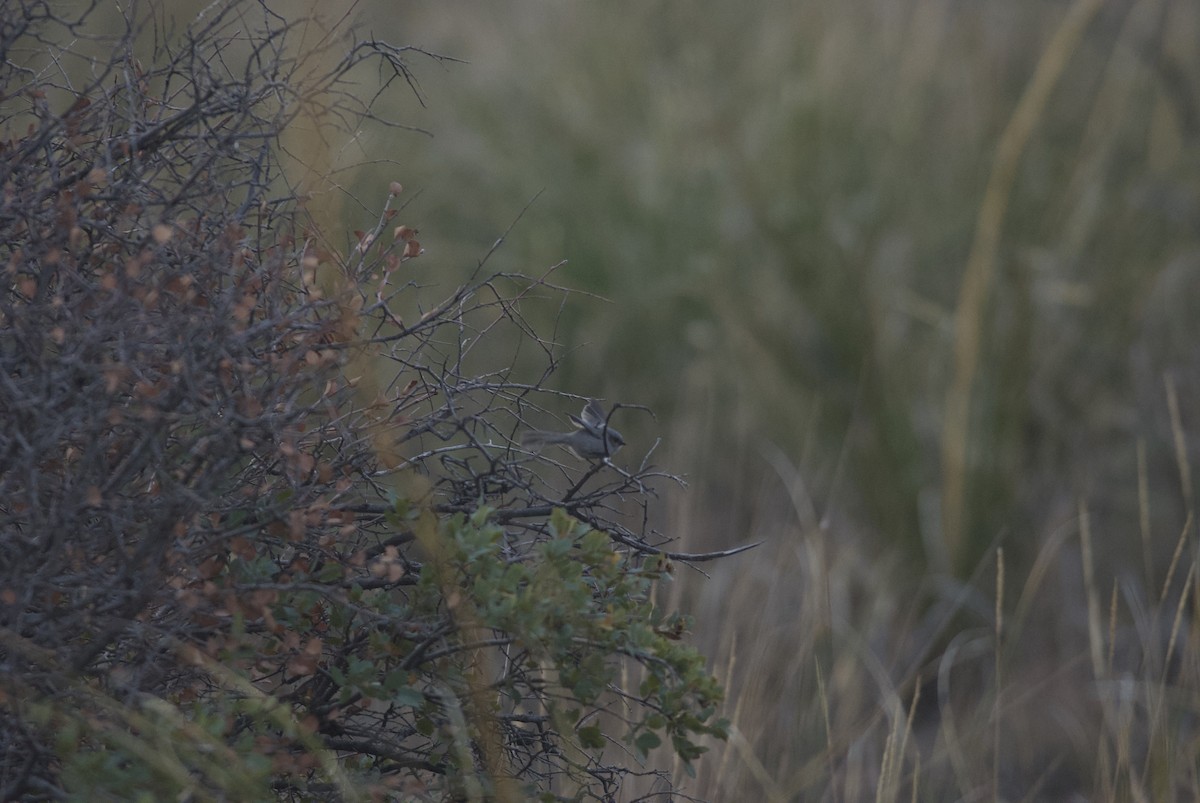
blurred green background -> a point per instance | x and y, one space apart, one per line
776 205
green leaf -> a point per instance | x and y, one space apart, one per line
409 696
645 742
561 523
595 542
591 737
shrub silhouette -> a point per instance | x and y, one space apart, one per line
231 567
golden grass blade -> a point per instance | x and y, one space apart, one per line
981 264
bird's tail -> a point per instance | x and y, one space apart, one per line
535 439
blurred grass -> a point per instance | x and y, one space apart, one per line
786 202
779 206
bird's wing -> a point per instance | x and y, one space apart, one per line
593 415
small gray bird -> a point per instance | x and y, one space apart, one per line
593 440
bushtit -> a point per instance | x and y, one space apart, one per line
593 440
